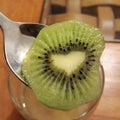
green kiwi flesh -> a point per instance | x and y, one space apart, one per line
62 66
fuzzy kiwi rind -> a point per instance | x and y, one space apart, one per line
53 87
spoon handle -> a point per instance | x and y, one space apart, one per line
4 21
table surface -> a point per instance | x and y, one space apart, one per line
109 105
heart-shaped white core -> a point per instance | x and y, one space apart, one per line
69 62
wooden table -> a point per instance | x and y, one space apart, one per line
29 11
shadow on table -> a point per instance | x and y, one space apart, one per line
15 115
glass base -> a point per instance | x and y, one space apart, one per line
27 104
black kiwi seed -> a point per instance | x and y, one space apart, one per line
70 78
46 50
52 73
59 45
92 60
76 40
53 50
93 50
46 60
64 50
79 78
82 69
60 49
85 47
80 72
91 55
45 70
45 53
46 57
83 43
84 77
87 62
73 75
39 57
46 66
79 43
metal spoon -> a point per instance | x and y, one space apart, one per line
18 37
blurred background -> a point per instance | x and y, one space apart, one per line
99 13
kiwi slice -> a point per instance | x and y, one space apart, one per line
62 66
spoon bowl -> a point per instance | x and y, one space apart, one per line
18 37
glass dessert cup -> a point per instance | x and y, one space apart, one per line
31 109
